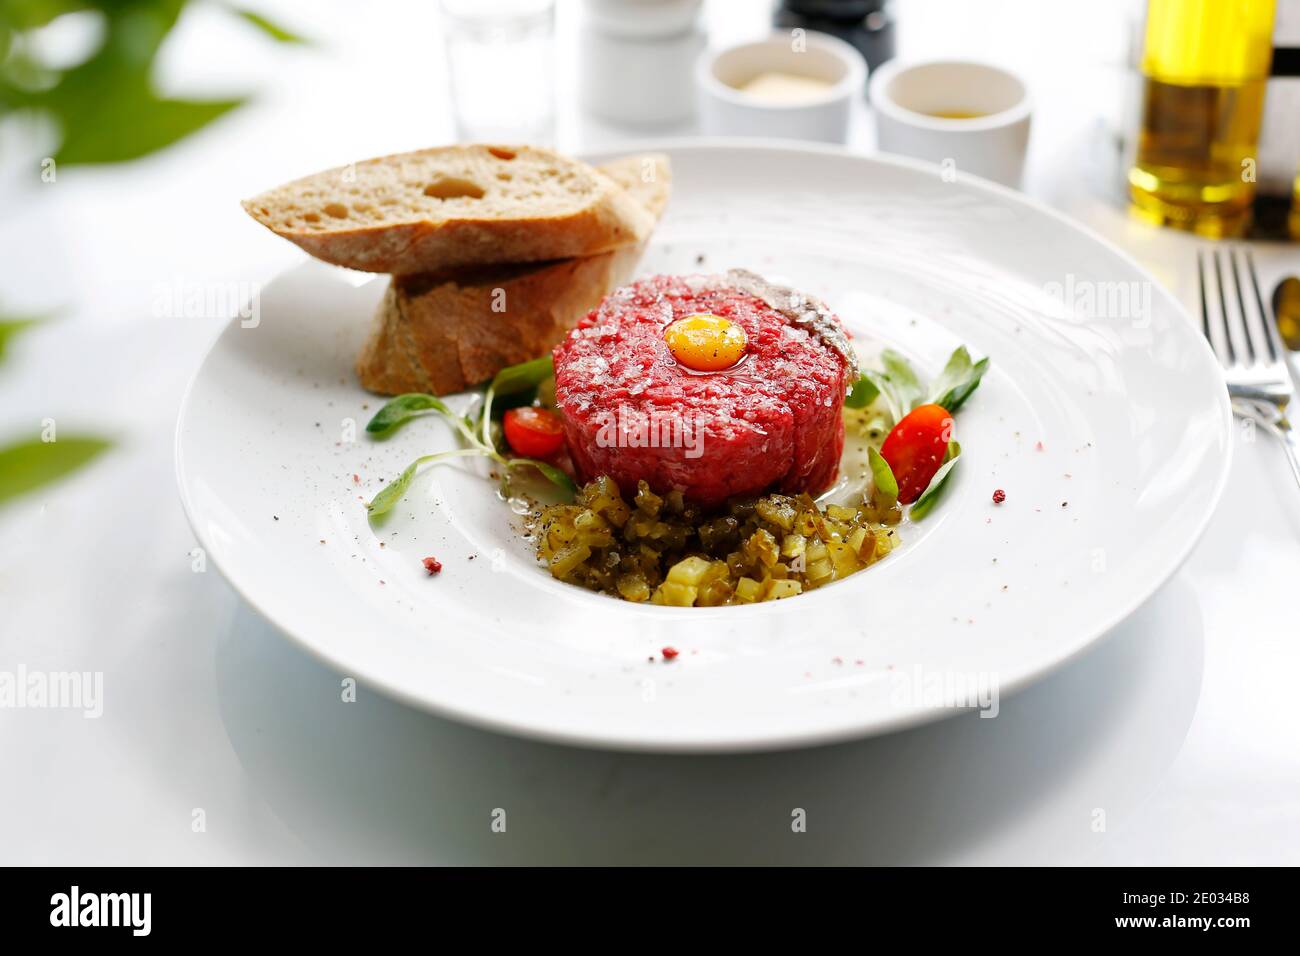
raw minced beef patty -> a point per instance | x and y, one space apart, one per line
774 420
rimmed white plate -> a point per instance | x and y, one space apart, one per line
1104 419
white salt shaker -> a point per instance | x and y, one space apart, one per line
636 60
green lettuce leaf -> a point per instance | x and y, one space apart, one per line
883 477
959 378
928 497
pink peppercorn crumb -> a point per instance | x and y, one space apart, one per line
432 565
670 652
999 496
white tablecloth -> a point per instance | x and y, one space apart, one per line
1175 741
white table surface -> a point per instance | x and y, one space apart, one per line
1181 727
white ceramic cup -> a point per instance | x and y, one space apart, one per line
725 110
991 143
638 60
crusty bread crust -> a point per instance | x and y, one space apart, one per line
647 178
454 206
446 332
442 335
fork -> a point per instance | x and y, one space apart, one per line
1242 334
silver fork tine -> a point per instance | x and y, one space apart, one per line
1212 321
1272 344
1237 324
1232 315
1251 309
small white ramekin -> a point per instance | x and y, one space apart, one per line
992 144
726 111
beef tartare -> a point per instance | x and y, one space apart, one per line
710 386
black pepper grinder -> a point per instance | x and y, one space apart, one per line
866 24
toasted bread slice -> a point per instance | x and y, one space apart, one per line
647 178
445 333
442 335
452 207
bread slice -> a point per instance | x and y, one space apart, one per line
445 333
442 336
647 178
452 207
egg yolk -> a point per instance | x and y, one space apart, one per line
706 343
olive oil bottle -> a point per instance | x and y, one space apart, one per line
1293 223
1205 64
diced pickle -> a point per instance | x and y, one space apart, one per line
568 559
665 550
793 545
675 595
844 558
715 593
689 571
647 501
762 545
633 587
840 513
819 572
781 589
777 509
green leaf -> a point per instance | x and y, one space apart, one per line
10 328
931 494
29 14
863 393
127 127
273 30
30 464
403 408
521 377
554 475
883 478
958 380
513 380
897 383
393 491
106 108
902 379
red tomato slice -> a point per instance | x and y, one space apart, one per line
533 432
915 449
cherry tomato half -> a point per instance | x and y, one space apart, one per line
915 449
533 432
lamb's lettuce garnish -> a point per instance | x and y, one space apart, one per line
522 377
897 382
863 393
901 382
928 497
511 382
402 409
388 495
514 385
883 477
554 475
959 378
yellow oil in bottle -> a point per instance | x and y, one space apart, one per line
1293 223
1205 64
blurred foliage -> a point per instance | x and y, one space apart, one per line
106 111
27 465
105 108
30 463
9 327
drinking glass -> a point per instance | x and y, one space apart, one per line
500 54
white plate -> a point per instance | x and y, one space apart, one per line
1130 412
